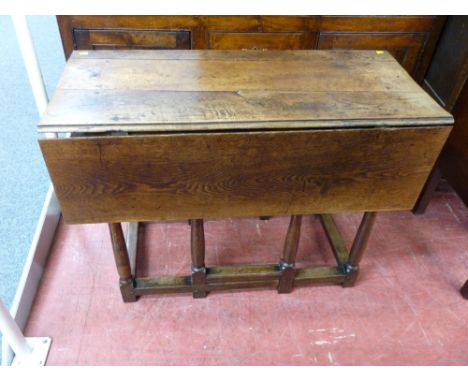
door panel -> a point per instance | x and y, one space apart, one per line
130 39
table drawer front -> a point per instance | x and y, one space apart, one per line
182 176
130 39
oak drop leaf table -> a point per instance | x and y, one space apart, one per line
171 135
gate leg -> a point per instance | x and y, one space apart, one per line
357 250
288 272
198 258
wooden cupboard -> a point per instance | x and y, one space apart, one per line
410 39
446 81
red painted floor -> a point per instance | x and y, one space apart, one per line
405 309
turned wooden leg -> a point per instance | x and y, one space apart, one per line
198 258
122 262
464 290
357 250
286 280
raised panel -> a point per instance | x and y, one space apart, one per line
405 47
378 23
130 39
266 24
250 40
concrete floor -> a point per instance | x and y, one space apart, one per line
405 309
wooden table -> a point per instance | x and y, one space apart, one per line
170 135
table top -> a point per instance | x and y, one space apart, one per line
209 90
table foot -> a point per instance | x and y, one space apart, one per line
348 262
127 290
198 281
351 274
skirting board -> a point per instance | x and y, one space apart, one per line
33 267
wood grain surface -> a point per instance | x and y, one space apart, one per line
141 91
219 175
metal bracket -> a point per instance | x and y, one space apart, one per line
285 265
40 347
197 270
348 268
